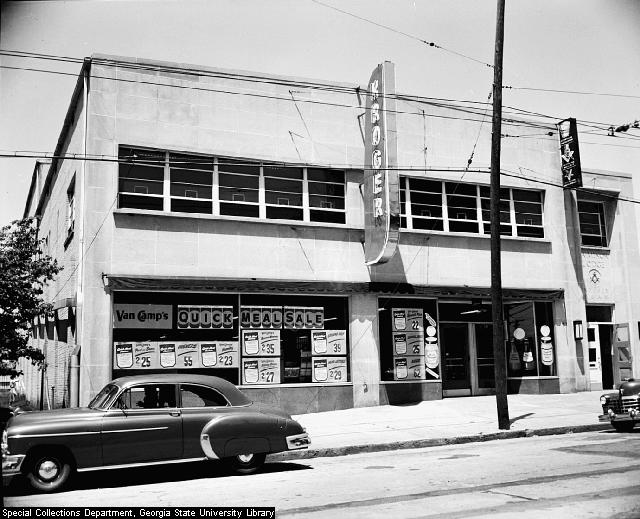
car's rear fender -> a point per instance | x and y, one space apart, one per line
251 432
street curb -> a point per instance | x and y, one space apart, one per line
330 452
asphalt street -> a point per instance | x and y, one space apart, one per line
595 474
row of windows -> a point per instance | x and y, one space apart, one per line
457 207
164 181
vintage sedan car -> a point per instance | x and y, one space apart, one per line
144 420
622 407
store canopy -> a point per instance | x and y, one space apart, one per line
195 284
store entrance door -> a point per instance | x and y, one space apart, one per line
621 353
467 350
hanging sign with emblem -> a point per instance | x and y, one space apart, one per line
569 154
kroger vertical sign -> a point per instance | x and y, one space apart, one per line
381 193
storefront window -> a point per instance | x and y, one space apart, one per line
530 341
546 340
409 349
246 339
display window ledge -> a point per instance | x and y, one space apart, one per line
541 377
294 385
385 382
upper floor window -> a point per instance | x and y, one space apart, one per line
591 216
459 207
71 207
175 182
141 179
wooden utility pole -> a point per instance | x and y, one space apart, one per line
499 352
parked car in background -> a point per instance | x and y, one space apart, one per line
145 420
622 407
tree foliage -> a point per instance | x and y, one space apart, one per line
24 272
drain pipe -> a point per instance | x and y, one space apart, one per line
74 364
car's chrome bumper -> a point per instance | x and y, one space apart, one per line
298 441
11 464
633 415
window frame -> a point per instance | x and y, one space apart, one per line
183 384
479 224
259 209
603 236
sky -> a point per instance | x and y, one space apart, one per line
571 45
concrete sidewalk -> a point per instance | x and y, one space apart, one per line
447 421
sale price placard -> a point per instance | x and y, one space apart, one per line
261 371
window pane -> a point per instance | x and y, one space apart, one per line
453 188
237 166
138 156
431 186
461 201
138 171
190 206
238 181
316 188
426 210
277 198
191 177
274 171
527 196
327 216
325 175
428 224
284 213
141 202
239 210
239 195
151 396
191 191
142 187
326 202
200 396
426 198
283 186
530 232
190 162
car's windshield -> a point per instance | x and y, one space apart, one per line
102 398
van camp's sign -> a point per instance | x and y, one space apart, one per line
142 316
381 187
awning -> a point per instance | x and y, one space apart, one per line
195 284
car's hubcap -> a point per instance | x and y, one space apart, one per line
48 470
245 458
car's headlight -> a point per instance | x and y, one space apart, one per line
604 399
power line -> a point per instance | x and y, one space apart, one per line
454 104
210 161
559 91
402 33
512 122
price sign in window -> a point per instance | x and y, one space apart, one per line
261 371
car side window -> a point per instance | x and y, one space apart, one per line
148 396
201 396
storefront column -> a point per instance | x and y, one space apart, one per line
365 354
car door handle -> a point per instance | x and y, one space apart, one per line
175 413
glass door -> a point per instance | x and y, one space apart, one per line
454 338
483 381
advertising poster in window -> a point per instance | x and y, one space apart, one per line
187 354
261 343
227 354
261 371
409 368
124 355
145 355
204 317
167 355
408 343
303 317
332 370
143 316
329 342
407 319
136 355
